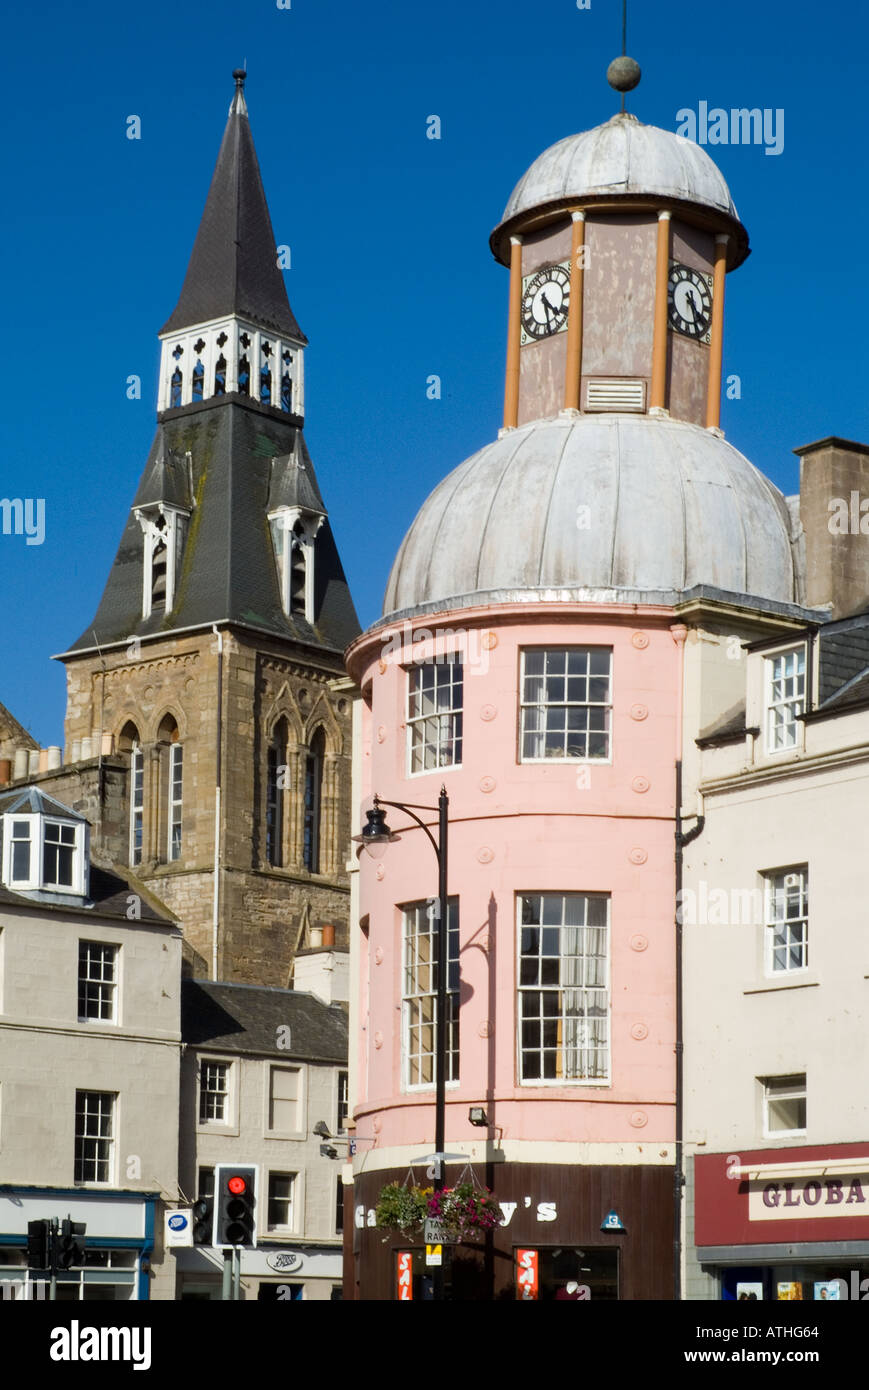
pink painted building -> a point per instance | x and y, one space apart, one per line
532 660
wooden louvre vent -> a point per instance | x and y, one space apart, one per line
615 393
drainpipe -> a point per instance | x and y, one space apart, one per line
215 900
682 839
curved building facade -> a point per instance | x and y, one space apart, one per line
539 659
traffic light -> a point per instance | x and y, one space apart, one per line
37 1245
235 1199
70 1244
203 1220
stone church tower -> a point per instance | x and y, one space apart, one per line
207 695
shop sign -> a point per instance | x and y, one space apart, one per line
405 1276
796 1199
527 1273
177 1229
284 1261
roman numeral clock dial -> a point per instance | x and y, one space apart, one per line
545 301
689 302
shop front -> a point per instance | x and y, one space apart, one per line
569 1234
785 1224
278 1274
118 1244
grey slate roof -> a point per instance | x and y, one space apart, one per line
166 477
233 268
27 800
293 482
844 654
247 1018
228 571
109 896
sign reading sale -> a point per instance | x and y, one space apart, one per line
405 1276
527 1273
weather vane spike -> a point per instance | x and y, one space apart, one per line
623 73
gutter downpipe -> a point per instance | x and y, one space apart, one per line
215 900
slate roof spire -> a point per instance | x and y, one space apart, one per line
233 268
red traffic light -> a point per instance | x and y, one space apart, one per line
236 1186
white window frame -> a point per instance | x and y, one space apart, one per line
543 705
291 1226
109 1139
112 985
561 987
794 705
36 880
301 1083
798 1090
781 887
342 1097
176 803
411 1005
137 804
448 723
228 1121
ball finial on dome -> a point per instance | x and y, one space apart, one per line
623 73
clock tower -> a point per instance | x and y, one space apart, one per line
618 241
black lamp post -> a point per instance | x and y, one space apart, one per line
374 838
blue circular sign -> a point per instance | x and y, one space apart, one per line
178 1222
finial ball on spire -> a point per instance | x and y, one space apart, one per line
623 74
239 74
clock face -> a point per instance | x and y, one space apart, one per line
545 301
689 301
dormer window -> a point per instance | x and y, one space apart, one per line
293 535
44 853
165 531
784 698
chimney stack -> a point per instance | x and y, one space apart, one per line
834 512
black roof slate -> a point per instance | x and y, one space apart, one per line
234 266
109 898
248 1019
228 571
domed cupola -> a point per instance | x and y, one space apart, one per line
611 479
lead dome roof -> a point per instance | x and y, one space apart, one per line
670 506
623 158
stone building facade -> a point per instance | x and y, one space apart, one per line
207 735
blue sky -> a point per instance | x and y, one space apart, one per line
392 278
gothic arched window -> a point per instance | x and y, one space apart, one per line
175 395
220 376
243 376
172 777
313 797
276 784
128 742
287 383
198 380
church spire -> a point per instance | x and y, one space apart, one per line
233 269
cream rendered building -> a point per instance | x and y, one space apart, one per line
90 985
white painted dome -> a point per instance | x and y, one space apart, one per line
669 506
623 156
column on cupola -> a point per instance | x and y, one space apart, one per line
514 326
716 336
658 391
573 369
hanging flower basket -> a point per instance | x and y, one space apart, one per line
465 1211
401 1207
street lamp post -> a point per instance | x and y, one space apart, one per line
375 836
